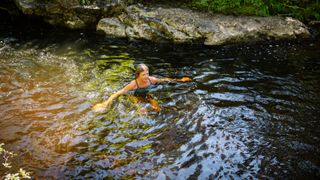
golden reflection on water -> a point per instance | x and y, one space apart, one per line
46 112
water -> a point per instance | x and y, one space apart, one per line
251 111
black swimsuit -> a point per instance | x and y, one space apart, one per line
143 92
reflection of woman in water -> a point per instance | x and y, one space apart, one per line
141 85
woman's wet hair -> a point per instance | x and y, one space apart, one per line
140 68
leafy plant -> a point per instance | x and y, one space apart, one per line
85 2
21 174
304 10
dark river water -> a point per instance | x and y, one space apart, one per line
251 111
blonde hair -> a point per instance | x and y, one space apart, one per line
140 68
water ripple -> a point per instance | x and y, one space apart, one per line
249 113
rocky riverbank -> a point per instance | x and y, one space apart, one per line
184 25
163 24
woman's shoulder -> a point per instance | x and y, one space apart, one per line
131 86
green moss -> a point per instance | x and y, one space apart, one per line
304 10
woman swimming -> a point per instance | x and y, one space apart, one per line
140 85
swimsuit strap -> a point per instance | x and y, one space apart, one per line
137 84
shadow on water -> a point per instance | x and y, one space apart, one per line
251 111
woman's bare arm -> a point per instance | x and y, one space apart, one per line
159 80
109 101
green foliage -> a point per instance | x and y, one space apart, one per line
86 2
22 174
90 2
304 10
252 7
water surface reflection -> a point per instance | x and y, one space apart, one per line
251 112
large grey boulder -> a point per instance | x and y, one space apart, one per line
184 25
162 24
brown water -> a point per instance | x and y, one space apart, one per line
251 111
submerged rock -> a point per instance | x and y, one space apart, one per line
183 25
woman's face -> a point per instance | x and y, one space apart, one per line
144 74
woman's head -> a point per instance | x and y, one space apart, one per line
142 70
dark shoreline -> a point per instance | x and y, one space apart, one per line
19 24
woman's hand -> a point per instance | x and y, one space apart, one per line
185 79
101 106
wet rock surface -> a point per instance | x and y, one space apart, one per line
185 26
71 14
162 23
